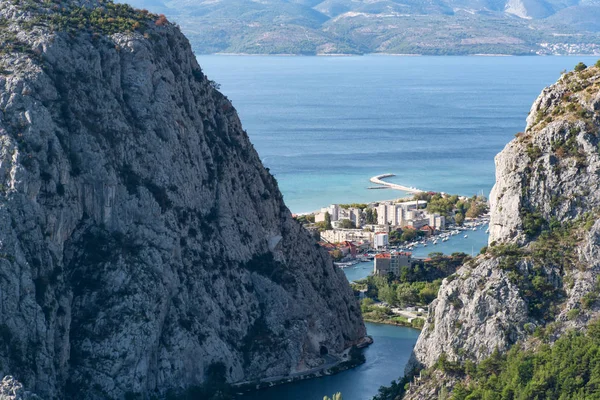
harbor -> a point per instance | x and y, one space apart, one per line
471 245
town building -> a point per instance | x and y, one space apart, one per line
429 230
437 221
380 240
381 264
399 259
343 235
337 213
386 263
400 214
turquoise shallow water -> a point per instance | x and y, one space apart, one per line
325 125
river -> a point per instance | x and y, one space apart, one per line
325 125
386 359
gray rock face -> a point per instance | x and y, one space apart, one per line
477 312
141 239
551 168
546 177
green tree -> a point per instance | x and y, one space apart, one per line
387 294
580 67
337 396
366 304
346 224
598 64
408 235
327 220
371 216
459 218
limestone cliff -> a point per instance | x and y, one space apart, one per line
141 238
539 273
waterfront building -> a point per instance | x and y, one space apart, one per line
334 212
386 263
429 230
399 259
381 264
437 221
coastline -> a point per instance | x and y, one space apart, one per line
390 55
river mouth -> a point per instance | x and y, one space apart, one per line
385 361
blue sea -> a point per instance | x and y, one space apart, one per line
325 125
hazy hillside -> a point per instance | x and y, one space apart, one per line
386 26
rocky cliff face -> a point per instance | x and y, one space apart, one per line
540 270
141 239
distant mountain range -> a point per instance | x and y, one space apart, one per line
387 26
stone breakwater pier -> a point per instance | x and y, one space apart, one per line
379 180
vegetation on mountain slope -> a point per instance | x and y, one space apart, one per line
398 27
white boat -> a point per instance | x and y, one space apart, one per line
435 242
466 236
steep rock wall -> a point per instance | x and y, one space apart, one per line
543 262
141 238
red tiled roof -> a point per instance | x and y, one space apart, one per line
383 255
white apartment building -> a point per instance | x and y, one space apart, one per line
399 214
380 240
342 235
437 221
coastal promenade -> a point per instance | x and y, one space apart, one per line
379 180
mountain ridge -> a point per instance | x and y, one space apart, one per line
437 27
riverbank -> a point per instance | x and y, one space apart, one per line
395 321
350 358
381 313
385 361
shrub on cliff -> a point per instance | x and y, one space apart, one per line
580 67
568 369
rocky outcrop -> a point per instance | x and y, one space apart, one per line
142 242
540 271
550 171
11 389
